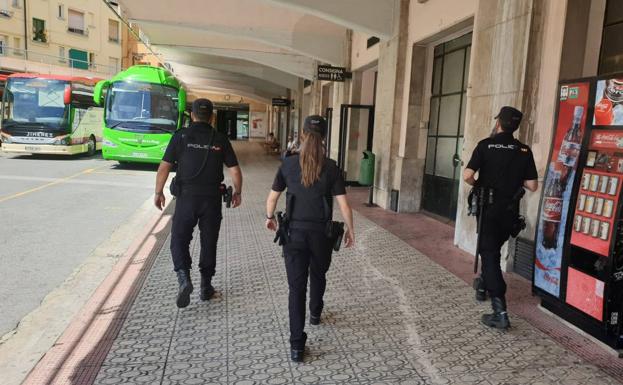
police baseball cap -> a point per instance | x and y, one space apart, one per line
202 108
316 124
510 118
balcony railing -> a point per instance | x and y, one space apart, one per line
84 32
28 56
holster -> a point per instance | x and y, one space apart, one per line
227 192
282 237
335 232
175 187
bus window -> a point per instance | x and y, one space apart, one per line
35 101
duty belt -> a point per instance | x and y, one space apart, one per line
308 225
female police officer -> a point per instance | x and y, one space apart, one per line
312 181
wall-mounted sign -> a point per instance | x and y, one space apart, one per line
330 73
279 102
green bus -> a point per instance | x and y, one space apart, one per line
48 114
143 107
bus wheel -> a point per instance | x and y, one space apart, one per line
92 146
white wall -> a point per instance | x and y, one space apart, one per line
434 16
361 55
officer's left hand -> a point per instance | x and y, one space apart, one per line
271 224
236 200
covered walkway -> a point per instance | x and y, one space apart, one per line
392 316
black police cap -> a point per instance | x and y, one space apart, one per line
316 124
202 107
510 118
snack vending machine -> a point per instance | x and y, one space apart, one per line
578 267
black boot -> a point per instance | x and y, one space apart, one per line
207 291
499 318
297 352
186 287
479 287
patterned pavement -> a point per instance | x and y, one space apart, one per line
392 316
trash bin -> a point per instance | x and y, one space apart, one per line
366 170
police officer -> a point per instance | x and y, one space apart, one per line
311 180
199 152
504 166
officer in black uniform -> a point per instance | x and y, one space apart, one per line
505 166
311 180
199 152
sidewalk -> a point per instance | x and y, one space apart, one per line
393 316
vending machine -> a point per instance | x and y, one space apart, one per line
578 264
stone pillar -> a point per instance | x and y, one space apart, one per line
388 113
499 75
413 133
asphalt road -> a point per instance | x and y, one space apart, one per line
54 211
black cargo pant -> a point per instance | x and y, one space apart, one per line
190 210
308 254
495 231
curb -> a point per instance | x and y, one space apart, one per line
77 355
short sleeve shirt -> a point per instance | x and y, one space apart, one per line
308 201
503 163
188 148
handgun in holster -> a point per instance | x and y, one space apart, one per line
335 232
227 192
282 237
519 221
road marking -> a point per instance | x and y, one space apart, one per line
77 181
58 181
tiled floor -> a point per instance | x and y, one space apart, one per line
392 317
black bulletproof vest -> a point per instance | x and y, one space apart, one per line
307 204
194 146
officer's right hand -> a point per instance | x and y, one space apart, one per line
159 201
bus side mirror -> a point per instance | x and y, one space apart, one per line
99 91
181 100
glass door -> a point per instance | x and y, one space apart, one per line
356 135
446 126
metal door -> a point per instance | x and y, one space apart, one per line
446 125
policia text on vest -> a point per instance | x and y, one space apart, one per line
505 167
199 152
307 231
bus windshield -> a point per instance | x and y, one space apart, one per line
144 107
35 102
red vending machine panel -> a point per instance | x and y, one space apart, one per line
585 293
598 196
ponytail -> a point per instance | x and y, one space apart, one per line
311 158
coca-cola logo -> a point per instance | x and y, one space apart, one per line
552 208
608 139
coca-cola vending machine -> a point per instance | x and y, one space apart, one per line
578 265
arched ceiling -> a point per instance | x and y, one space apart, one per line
259 47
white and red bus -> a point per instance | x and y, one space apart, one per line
49 114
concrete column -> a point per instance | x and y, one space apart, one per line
515 61
388 112
413 133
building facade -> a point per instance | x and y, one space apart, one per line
437 84
61 37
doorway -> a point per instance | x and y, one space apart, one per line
356 135
226 123
446 126
328 115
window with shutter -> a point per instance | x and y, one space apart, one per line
4 8
113 31
38 30
76 22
